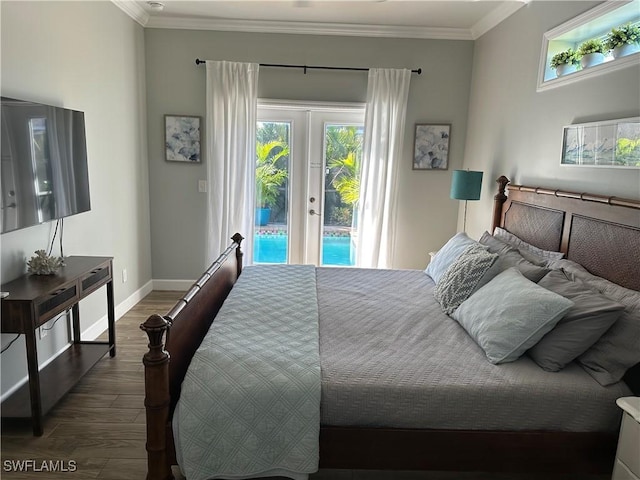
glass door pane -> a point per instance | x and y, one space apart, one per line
307 161
342 157
271 239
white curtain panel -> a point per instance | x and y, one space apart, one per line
387 93
232 105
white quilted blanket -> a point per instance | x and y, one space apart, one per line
250 403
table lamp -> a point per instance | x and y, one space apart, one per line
466 185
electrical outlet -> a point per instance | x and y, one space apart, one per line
125 277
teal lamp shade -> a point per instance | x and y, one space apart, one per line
466 185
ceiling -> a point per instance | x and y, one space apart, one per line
443 19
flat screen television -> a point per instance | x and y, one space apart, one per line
44 174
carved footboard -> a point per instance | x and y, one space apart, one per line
185 326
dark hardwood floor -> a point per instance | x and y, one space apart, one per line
100 425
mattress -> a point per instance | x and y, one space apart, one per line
391 358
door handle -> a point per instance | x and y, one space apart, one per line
313 212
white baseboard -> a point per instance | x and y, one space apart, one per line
91 333
173 285
99 326
25 379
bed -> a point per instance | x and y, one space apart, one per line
601 234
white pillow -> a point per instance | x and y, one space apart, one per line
509 315
449 254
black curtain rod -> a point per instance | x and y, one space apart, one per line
315 67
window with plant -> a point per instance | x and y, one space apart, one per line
600 37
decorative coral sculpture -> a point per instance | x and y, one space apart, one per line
43 264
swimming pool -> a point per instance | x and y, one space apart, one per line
273 249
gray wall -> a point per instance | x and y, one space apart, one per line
87 56
90 56
517 132
175 85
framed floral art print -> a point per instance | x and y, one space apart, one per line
431 147
182 138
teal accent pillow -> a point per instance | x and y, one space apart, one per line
448 254
509 315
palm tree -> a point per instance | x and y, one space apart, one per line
346 180
342 139
269 172
343 152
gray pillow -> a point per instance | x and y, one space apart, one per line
523 246
494 244
448 254
462 277
590 317
619 348
497 245
509 257
509 315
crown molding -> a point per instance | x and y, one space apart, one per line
141 16
496 17
134 10
308 28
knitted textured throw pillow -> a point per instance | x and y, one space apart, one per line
462 277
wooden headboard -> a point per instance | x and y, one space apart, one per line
600 233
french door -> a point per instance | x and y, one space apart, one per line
307 182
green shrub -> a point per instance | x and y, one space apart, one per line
568 56
593 45
269 174
626 34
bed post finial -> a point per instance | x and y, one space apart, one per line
238 239
156 380
498 201
502 185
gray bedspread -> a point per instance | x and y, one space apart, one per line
391 358
250 402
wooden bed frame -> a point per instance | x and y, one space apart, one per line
596 231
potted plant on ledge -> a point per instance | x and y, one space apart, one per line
269 177
623 40
591 52
565 62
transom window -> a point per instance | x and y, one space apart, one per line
593 24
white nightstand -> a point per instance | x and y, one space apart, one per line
627 466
